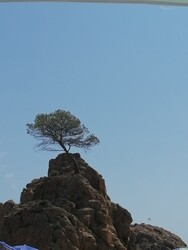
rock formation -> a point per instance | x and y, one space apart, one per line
68 211
149 237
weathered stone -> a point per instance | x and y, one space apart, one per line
148 237
68 211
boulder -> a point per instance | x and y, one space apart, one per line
148 237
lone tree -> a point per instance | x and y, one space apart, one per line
60 130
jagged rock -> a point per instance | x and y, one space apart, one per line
148 237
68 211
5 209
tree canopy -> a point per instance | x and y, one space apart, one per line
60 130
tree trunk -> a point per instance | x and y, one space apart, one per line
76 167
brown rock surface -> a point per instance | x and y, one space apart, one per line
68 211
148 237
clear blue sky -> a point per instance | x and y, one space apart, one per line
122 69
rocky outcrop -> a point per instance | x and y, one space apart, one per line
68 211
148 237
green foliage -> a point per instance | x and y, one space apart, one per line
60 129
